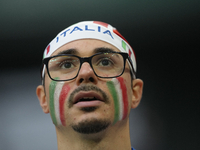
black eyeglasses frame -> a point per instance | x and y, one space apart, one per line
88 60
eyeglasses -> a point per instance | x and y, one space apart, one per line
66 67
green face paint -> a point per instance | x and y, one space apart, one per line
111 87
52 87
118 91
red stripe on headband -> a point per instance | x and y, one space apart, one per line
48 48
129 53
101 23
116 32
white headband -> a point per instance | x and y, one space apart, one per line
92 30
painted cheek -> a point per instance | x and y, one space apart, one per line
118 90
52 87
58 93
124 97
112 90
62 98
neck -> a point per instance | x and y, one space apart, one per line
114 137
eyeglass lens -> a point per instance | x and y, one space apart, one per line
104 65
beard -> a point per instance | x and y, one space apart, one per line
91 126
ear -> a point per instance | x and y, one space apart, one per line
42 98
137 92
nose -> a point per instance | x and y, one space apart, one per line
86 74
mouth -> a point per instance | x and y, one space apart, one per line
87 99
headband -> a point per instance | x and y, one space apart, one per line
91 30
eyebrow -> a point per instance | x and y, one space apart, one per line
103 50
69 51
96 50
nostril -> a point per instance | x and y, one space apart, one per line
91 79
81 80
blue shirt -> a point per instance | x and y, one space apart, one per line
132 148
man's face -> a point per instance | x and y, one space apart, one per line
88 104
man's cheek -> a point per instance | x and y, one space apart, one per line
118 90
58 92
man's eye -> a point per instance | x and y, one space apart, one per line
105 62
66 65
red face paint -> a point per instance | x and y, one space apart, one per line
124 97
62 98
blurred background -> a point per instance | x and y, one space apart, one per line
165 36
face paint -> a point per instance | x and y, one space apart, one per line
62 98
52 87
118 91
124 97
58 93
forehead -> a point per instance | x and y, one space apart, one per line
85 46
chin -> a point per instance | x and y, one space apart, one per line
91 126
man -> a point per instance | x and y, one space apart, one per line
89 86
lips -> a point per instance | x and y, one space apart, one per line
87 99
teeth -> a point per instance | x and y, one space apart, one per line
88 98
